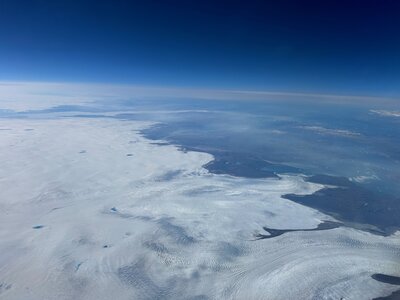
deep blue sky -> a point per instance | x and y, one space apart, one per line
344 47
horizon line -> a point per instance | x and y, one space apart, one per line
250 92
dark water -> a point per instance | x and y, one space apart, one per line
326 225
38 226
242 165
353 203
386 278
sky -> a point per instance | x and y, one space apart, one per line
334 47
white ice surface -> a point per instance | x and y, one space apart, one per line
171 229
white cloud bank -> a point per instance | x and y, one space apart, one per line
21 96
126 219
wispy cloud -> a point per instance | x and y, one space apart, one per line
386 113
330 131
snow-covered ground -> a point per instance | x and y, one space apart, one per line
90 209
